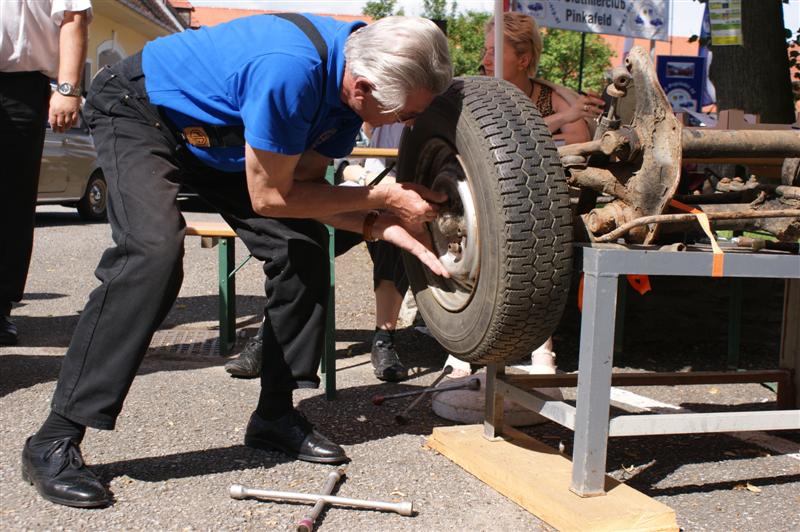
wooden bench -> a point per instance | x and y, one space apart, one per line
221 234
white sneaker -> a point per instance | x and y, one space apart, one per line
542 363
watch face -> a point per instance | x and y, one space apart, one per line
67 89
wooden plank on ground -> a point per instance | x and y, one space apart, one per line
537 478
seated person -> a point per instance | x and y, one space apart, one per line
568 115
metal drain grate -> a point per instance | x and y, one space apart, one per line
185 342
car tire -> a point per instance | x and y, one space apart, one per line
92 206
505 235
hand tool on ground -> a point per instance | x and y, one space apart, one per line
307 523
241 492
471 384
401 419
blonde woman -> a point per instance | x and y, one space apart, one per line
566 113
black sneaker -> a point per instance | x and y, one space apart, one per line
8 331
293 434
385 362
59 474
248 364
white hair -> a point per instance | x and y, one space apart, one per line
398 55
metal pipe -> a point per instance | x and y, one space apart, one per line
402 419
241 492
499 38
724 143
307 523
470 384
673 218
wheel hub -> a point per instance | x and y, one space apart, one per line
455 231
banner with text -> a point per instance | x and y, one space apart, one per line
726 22
646 19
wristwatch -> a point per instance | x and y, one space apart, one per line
68 89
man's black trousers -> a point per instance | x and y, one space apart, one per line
145 165
23 115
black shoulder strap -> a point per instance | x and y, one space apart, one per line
316 39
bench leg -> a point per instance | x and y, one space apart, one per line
734 323
227 295
328 366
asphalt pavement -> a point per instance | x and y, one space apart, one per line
178 443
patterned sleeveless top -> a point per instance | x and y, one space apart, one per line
544 102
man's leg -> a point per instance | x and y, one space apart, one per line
248 364
295 257
391 284
23 113
140 277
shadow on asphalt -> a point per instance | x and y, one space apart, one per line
190 464
58 219
56 331
647 462
352 418
23 371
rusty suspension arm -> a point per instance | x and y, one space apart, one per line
674 218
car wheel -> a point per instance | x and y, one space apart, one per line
504 235
92 206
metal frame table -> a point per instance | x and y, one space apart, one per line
589 419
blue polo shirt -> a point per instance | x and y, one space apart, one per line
262 72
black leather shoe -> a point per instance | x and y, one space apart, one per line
248 364
8 331
386 364
294 435
60 475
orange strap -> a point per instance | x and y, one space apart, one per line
718 258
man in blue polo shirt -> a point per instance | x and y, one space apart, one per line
247 114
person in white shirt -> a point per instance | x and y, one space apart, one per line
39 40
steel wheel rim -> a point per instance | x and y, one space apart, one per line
97 196
455 232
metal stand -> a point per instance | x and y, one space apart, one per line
602 265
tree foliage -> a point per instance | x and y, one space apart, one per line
437 9
378 9
465 33
560 61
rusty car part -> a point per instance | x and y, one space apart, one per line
723 143
673 218
636 154
757 244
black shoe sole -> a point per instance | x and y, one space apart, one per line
242 375
65 502
393 378
263 445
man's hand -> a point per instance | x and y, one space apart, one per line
63 111
414 239
412 203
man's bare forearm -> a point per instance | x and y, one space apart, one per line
321 200
72 47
